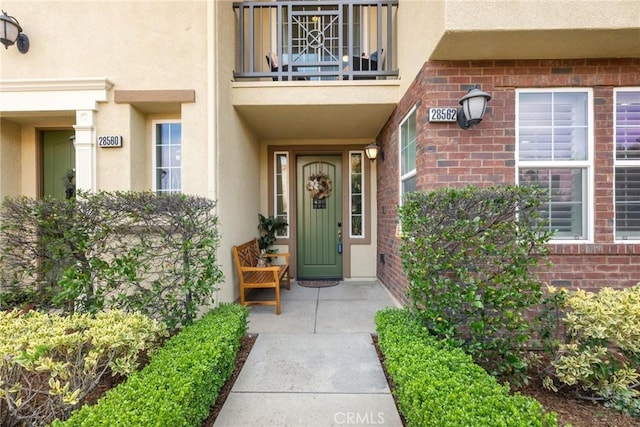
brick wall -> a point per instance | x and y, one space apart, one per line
484 156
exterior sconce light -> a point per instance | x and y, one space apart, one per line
11 33
474 103
373 150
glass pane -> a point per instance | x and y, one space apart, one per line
162 178
176 133
176 179
356 225
570 144
356 204
164 156
175 156
356 163
627 193
570 108
163 136
411 126
281 184
356 179
409 185
356 183
282 232
408 144
566 209
535 144
627 125
534 109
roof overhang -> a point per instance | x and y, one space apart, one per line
467 44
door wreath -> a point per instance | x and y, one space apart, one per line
319 186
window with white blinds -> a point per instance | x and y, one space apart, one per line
627 163
554 151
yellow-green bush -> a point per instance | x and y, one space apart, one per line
602 349
50 362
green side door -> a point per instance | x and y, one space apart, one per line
58 158
319 217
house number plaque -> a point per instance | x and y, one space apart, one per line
438 114
110 141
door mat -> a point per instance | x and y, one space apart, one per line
318 283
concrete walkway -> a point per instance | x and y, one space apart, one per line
315 364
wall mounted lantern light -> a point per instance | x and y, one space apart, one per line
474 103
11 33
373 150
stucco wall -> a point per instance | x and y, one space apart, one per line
9 158
142 46
237 154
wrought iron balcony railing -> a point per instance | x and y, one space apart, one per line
316 40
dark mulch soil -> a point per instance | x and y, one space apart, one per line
570 410
245 348
575 411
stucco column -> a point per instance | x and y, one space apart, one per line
85 145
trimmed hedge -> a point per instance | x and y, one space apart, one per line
439 385
182 381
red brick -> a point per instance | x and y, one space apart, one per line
485 155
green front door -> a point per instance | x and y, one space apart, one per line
319 217
58 158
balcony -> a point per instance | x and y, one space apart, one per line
316 70
319 40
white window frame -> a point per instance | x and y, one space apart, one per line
621 163
288 190
154 154
412 173
587 165
362 194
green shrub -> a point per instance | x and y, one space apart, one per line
48 363
601 353
439 385
469 256
182 381
141 252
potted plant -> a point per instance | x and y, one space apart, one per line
269 227
69 182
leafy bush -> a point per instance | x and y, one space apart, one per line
468 255
133 251
270 227
180 383
601 353
439 385
49 363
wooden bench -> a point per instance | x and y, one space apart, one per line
251 276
